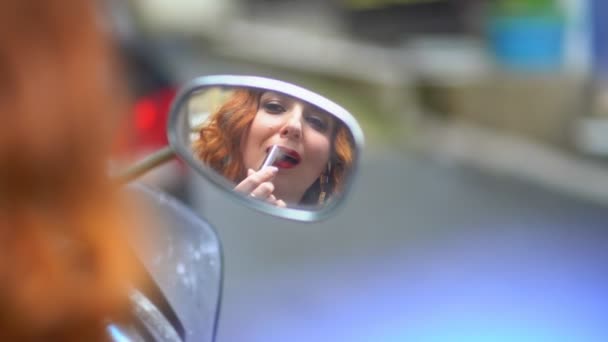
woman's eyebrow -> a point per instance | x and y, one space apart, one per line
280 96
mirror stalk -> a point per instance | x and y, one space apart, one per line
141 167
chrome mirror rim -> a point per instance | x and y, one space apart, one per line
315 99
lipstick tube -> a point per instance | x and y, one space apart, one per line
274 153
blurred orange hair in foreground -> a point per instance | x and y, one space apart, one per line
62 259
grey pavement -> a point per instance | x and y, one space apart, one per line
422 251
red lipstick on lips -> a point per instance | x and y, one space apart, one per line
281 157
289 159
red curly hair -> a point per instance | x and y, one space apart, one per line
218 148
63 256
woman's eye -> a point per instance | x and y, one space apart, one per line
317 123
274 108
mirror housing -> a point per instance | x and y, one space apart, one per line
181 134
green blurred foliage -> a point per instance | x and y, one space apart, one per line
526 8
371 4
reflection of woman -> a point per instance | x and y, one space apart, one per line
63 264
239 134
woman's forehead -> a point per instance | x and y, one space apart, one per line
274 94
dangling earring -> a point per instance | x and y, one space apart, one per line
323 181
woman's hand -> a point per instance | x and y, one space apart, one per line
259 185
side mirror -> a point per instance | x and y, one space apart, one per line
274 146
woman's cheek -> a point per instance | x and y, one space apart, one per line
320 144
270 126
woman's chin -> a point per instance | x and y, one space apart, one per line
288 196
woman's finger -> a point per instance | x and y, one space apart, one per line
276 202
263 191
254 179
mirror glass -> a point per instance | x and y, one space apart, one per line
278 150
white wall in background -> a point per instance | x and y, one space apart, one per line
199 17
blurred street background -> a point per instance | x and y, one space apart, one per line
479 213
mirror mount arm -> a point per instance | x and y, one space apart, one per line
144 165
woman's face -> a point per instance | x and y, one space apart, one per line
304 131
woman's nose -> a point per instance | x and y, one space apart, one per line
292 128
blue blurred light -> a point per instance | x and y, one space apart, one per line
116 334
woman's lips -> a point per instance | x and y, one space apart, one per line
288 159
